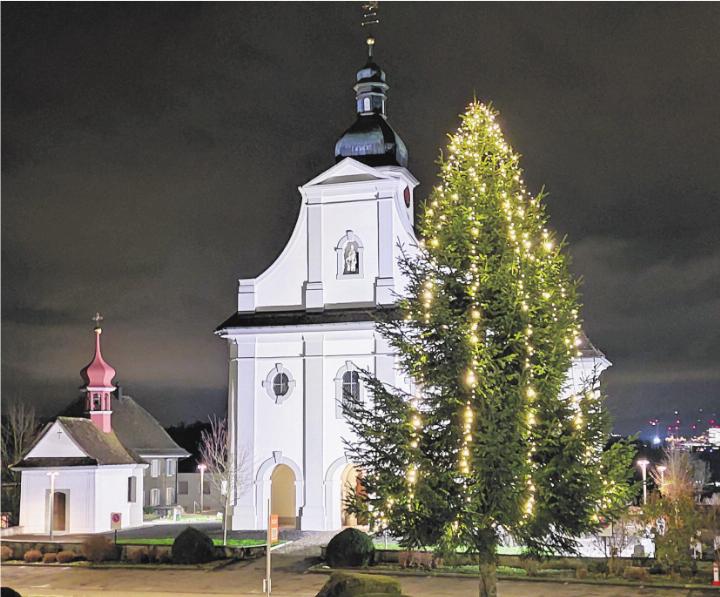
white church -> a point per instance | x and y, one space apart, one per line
305 325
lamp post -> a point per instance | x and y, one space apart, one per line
52 476
201 468
661 469
643 464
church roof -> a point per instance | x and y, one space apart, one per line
371 139
301 317
587 349
100 448
135 427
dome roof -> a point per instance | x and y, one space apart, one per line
373 141
98 373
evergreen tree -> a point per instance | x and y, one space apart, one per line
487 329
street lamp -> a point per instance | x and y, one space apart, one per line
201 468
52 476
643 464
661 469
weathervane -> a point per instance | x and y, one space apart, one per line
97 319
370 17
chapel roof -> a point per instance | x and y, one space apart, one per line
135 427
100 448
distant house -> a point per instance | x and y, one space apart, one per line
94 467
189 494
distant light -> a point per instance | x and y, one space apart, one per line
656 440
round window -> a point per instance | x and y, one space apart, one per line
281 384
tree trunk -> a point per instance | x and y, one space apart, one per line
488 577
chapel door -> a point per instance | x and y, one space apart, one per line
59 506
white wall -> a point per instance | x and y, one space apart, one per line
56 444
79 486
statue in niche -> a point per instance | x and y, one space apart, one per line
351 259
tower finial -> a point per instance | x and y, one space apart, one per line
97 319
370 17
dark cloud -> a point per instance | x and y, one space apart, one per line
152 152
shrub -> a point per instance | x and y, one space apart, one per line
531 566
192 547
344 584
350 548
65 556
656 569
599 567
635 573
5 553
99 549
32 555
50 558
581 572
138 555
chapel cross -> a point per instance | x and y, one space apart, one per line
97 319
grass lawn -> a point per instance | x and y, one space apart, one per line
169 541
395 546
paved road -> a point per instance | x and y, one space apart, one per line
245 579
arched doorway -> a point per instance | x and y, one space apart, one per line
350 485
282 490
59 509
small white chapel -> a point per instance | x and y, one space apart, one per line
305 326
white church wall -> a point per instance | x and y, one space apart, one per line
281 285
56 444
111 491
77 484
358 215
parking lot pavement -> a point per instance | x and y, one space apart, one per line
245 579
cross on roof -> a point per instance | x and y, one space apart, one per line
97 319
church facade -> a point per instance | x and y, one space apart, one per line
305 326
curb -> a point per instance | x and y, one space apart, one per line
322 569
124 566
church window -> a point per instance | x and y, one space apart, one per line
132 489
348 388
279 383
154 467
169 467
169 496
155 497
351 385
349 251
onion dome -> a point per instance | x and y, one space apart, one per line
98 373
371 139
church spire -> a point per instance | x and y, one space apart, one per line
371 139
98 376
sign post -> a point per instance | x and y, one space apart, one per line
272 534
115 523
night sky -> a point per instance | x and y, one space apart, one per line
151 155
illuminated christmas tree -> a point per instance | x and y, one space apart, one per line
488 441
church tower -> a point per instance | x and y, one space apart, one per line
98 376
306 325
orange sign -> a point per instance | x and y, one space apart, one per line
274 528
